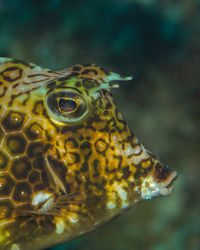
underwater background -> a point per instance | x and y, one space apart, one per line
158 42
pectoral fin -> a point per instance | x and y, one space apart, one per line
55 205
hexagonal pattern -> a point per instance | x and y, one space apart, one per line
22 192
36 149
4 159
15 144
13 121
20 168
6 209
6 185
34 131
34 177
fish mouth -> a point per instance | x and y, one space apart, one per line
153 186
167 185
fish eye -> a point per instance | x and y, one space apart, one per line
66 106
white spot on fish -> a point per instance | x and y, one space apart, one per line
73 218
40 198
121 192
115 139
136 189
136 159
129 149
60 226
150 188
137 149
111 205
15 247
125 205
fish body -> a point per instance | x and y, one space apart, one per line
68 160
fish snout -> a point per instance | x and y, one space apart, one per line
159 182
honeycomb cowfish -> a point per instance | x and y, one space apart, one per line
68 161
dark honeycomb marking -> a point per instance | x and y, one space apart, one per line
71 143
39 187
6 185
44 177
74 158
16 144
3 160
34 177
89 84
108 125
15 85
38 108
81 138
108 105
89 72
89 190
121 122
37 148
120 159
38 163
73 74
96 171
84 167
126 172
86 64
13 121
78 84
20 168
100 184
76 68
4 91
13 97
85 145
34 131
22 192
77 177
6 209
12 74
101 146
48 137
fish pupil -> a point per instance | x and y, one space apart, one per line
67 105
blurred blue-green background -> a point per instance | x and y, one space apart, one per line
159 43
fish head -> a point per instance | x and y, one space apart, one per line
75 126
99 149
